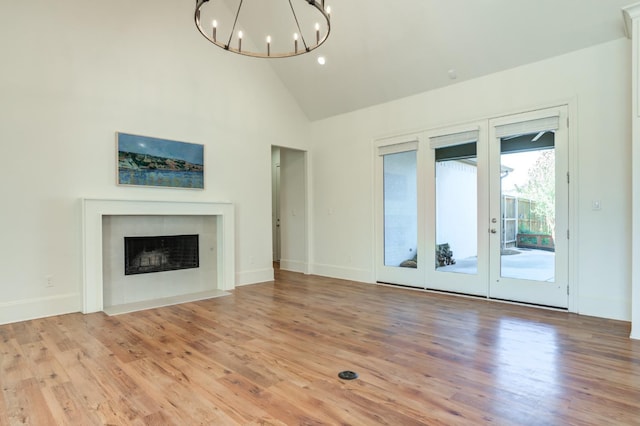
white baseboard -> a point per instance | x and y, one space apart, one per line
333 271
254 277
28 309
293 266
603 309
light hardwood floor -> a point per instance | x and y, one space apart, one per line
270 354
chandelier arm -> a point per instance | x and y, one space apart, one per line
234 23
298 25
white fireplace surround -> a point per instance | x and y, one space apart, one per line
94 209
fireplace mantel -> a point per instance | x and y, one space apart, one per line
94 209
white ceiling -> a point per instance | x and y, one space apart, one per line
384 50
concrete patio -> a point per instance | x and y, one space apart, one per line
530 264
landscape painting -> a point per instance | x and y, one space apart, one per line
148 161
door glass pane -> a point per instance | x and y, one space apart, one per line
400 210
456 209
528 207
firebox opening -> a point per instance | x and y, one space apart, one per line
144 255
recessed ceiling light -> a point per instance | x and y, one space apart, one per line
321 60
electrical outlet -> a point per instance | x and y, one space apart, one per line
48 281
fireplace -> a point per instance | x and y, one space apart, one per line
144 255
213 222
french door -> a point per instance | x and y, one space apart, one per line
529 211
398 217
490 211
457 169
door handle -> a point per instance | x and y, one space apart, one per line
493 230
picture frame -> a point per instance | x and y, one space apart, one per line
155 162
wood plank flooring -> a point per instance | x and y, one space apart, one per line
269 354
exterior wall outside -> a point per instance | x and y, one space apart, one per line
400 207
456 208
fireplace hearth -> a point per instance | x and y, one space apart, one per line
143 255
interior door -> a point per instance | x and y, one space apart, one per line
276 215
528 225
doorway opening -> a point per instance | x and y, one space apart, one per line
289 209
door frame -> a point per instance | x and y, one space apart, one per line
294 216
275 203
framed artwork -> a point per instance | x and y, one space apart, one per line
148 161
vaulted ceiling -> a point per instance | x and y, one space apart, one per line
379 51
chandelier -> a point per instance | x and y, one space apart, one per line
264 28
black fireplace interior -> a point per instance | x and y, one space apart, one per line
143 255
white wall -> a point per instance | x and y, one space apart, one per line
293 211
632 26
75 72
596 83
